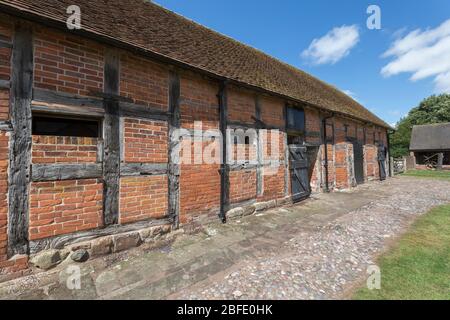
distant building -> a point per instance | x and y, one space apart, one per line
430 145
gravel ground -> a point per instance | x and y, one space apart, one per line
327 262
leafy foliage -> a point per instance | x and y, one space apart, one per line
435 109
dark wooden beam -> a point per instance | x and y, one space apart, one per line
5 126
259 150
224 168
111 130
66 99
143 169
53 172
64 110
133 110
59 242
109 95
5 84
174 147
20 141
287 174
5 44
244 166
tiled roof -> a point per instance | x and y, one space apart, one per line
152 28
432 137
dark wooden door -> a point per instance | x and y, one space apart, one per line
382 162
358 158
299 169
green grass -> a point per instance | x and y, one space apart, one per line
418 266
445 174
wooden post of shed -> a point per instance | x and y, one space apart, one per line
440 162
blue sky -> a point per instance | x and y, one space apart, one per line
286 28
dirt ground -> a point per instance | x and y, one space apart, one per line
318 249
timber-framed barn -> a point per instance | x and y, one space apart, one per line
87 118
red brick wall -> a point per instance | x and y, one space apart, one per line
241 105
67 63
199 186
145 141
273 184
272 114
272 111
242 152
6 31
143 198
341 166
62 207
199 102
145 82
242 185
370 160
51 149
199 183
313 126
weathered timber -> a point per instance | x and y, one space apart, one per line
65 99
53 172
224 168
440 161
174 148
110 95
313 134
5 126
243 166
143 169
59 242
5 44
5 84
20 141
65 110
286 156
259 150
111 157
133 110
241 125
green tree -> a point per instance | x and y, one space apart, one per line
435 109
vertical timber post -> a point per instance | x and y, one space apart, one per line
111 158
174 148
287 174
20 143
259 151
440 162
224 167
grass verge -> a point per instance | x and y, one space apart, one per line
445 174
418 266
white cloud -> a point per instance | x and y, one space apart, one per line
333 46
423 54
351 94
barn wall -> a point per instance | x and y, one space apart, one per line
70 65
